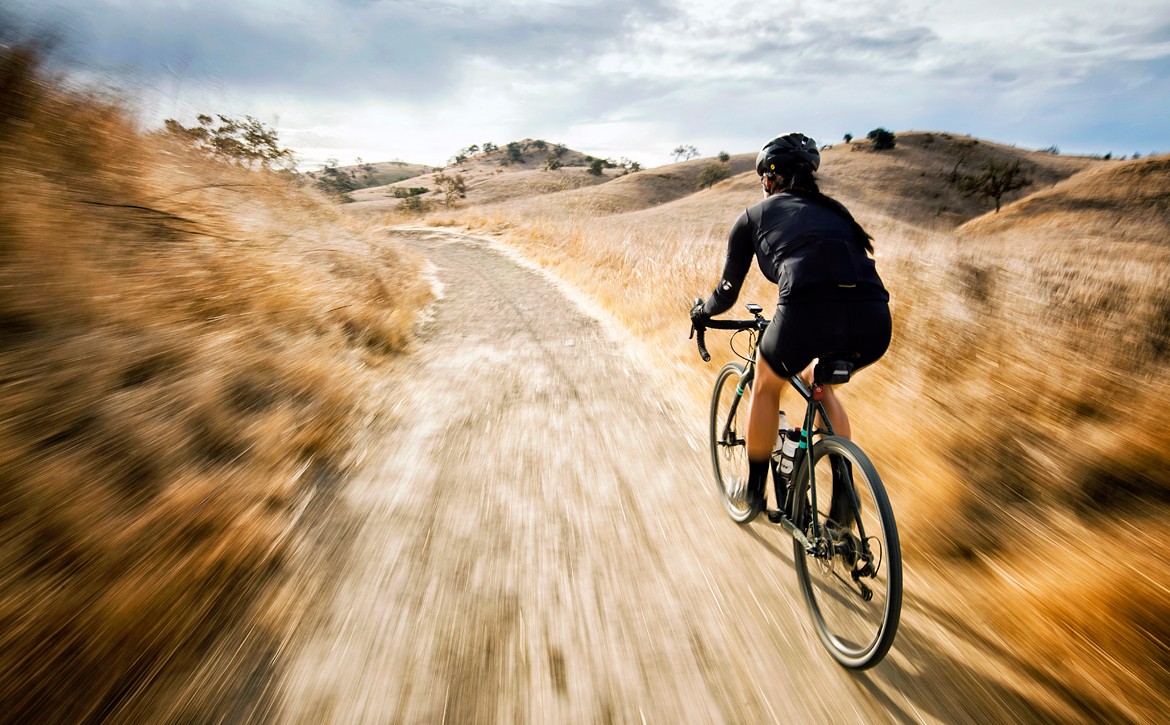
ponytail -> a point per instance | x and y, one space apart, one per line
800 180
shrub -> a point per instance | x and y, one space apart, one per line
596 166
247 141
724 156
848 137
416 204
450 187
712 174
406 193
335 182
883 139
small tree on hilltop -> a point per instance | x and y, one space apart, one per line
995 180
883 140
514 154
848 138
724 156
489 147
684 152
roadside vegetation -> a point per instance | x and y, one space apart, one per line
1021 417
186 337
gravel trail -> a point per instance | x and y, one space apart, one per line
533 537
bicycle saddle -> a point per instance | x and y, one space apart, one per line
834 368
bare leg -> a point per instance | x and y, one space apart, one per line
764 411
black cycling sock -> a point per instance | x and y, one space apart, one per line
841 507
758 477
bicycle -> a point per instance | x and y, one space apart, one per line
846 551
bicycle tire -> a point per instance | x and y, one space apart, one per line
729 458
857 632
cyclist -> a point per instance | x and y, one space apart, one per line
831 297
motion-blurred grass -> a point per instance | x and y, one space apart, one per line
184 345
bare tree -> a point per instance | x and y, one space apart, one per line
684 152
995 180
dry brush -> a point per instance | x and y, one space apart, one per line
184 346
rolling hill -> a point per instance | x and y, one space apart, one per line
381 173
914 184
498 175
1113 201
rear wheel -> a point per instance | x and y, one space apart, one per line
729 416
852 580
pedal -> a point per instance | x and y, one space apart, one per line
775 515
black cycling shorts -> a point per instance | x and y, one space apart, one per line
801 331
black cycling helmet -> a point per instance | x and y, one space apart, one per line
784 152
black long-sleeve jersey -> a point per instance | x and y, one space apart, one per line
808 244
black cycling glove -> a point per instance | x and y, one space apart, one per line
698 317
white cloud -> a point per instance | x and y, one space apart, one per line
418 80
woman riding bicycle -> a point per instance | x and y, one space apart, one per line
831 298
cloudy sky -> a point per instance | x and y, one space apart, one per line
417 80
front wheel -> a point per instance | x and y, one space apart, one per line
729 417
851 579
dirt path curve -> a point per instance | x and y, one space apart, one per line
533 538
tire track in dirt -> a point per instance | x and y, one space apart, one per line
533 538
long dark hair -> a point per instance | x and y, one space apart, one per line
800 180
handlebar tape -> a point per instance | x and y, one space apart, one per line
701 341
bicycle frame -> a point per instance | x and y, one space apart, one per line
813 396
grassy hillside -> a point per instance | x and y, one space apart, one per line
1020 418
913 182
366 175
184 346
496 176
1114 201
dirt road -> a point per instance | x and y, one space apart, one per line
533 537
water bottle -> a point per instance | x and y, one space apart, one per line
776 452
788 451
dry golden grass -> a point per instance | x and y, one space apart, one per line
1021 416
183 346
